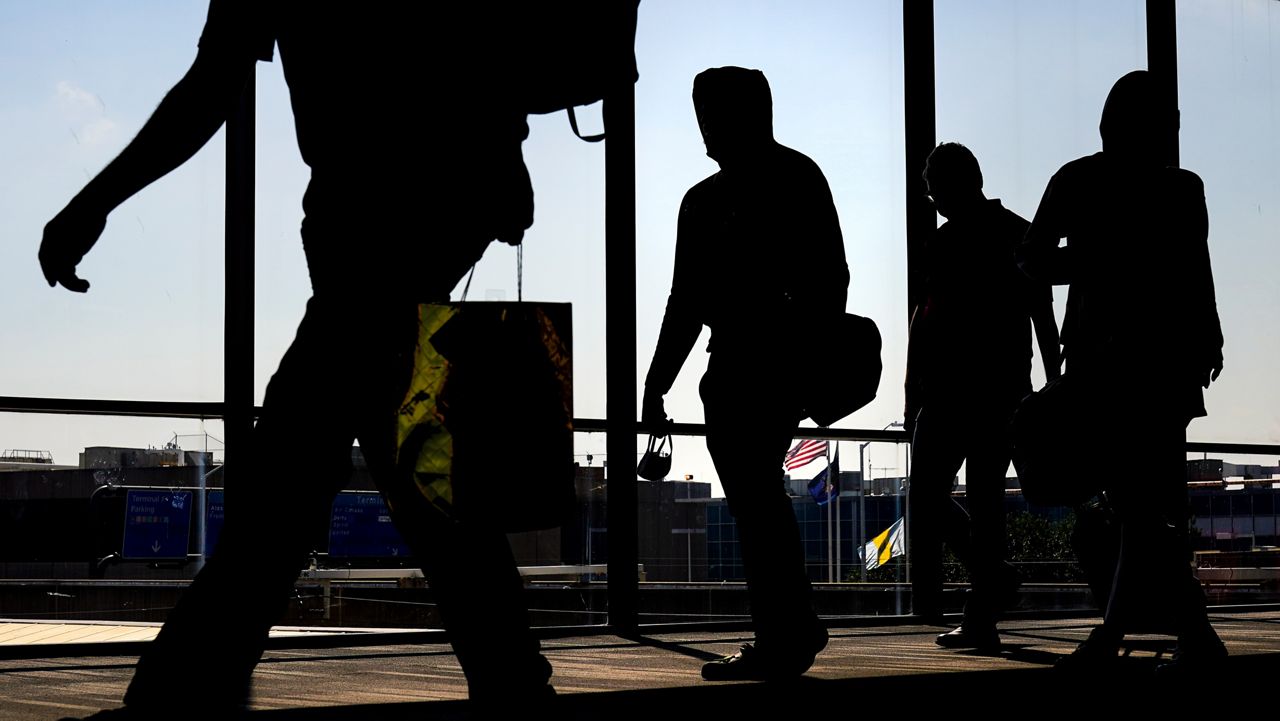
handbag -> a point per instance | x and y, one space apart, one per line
1050 442
491 380
654 465
844 374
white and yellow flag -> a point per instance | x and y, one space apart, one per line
888 544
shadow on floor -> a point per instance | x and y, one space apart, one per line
1128 687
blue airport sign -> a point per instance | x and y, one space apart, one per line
157 524
361 526
213 515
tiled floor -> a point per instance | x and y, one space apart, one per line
863 669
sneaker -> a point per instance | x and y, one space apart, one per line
971 635
751 664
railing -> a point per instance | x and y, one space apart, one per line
653 598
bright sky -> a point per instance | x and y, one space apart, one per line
1021 83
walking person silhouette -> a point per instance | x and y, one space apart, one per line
968 365
1141 333
759 255
399 205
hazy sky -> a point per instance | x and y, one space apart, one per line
1021 83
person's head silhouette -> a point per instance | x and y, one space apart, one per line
1136 120
954 179
735 112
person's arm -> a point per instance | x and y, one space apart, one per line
817 278
1207 327
184 121
1040 256
1046 327
681 324
829 279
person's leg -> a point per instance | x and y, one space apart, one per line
1198 644
936 519
481 598
1152 512
469 565
992 579
478 589
747 441
278 504
1153 588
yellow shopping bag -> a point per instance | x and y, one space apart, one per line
485 431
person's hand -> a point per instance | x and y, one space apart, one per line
653 415
67 238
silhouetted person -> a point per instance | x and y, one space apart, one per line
759 260
1141 338
411 118
968 366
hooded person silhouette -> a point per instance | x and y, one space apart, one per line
1141 338
759 255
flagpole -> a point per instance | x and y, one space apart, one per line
836 486
830 571
906 527
862 511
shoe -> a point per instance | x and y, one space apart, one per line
752 664
749 664
745 665
1193 659
971 635
1097 652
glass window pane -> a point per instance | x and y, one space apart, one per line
103 500
1022 83
81 81
1228 84
282 286
835 71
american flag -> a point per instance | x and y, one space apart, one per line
805 452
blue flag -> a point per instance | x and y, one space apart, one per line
822 487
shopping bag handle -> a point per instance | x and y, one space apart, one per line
662 445
519 275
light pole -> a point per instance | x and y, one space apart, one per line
862 495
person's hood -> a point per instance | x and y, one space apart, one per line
1134 123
